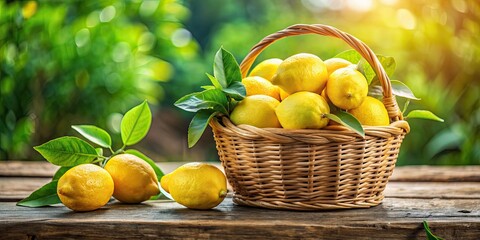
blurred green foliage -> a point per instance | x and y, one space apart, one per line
75 63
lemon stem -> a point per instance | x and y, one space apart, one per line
223 193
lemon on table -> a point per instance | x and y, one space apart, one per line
260 86
85 187
347 88
371 112
301 72
256 110
303 110
196 185
135 180
336 63
266 69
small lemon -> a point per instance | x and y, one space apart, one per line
303 110
196 185
260 86
371 112
256 110
347 88
85 187
336 63
301 72
135 180
266 69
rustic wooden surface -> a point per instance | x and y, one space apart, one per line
447 197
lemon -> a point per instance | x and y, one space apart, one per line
303 110
347 88
371 112
196 185
85 187
256 110
266 69
135 180
283 94
301 72
260 86
336 63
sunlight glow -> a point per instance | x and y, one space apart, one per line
406 19
360 5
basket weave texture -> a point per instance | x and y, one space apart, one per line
311 169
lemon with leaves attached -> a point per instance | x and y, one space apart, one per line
85 187
303 110
371 112
260 86
196 185
256 110
135 180
347 88
301 72
266 69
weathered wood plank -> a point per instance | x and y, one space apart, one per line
436 174
17 188
396 218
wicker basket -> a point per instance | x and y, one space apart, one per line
311 169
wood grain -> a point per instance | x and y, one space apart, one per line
436 174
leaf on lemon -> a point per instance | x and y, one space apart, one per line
225 68
44 196
350 55
135 124
59 173
402 90
94 134
388 64
67 151
208 99
423 114
198 125
347 120
214 81
236 91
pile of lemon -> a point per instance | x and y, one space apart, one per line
298 92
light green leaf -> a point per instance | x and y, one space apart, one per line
388 64
198 125
94 134
59 173
208 87
209 99
226 69
135 124
423 114
67 151
214 81
44 196
347 120
236 91
350 55
429 233
402 90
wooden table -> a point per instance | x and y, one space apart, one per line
447 197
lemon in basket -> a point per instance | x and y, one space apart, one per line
347 88
260 86
196 185
303 110
336 63
301 72
371 112
266 69
256 110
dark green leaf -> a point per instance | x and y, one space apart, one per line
94 134
59 173
236 91
423 114
135 124
198 125
226 69
402 90
44 196
347 120
429 233
350 55
209 99
214 81
67 151
388 64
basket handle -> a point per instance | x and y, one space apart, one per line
299 29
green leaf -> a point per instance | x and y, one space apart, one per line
67 151
423 114
226 68
214 81
135 124
209 99
59 173
429 233
44 196
99 151
388 64
236 91
347 120
402 90
198 125
94 134
208 87
350 55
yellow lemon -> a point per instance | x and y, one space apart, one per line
371 112
347 88
301 72
336 63
283 94
260 86
196 185
256 110
85 187
266 69
303 110
135 180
